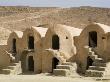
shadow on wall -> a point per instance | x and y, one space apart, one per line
55 62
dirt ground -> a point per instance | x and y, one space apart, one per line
45 78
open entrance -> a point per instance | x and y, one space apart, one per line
30 63
55 62
55 42
14 46
31 42
93 39
89 62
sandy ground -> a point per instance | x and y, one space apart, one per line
44 78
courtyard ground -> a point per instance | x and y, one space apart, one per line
47 78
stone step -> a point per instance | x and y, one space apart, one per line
94 56
99 64
64 67
67 63
91 53
11 67
94 73
99 60
61 58
13 64
6 71
61 72
96 68
90 49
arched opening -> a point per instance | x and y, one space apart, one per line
55 42
14 46
31 42
55 62
30 63
89 62
93 39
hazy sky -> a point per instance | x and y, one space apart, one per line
56 3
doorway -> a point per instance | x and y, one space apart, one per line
30 63
55 62
93 39
14 46
89 62
31 42
55 42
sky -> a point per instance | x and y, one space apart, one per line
56 3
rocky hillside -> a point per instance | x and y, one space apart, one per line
19 18
80 16
11 10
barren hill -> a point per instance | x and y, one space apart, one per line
19 18
80 16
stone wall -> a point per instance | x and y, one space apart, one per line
4 57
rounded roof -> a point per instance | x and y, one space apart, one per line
72 30
41 30
19 33
105 28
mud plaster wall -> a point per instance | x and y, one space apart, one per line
4 58
82 41
37 54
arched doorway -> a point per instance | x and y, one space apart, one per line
89 62
55 42
30 63
93 39
55 62
31 42
14 45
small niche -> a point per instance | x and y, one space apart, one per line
103 38
66 37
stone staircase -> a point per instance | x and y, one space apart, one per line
12 69
12 58
64 68
98 66
60 56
